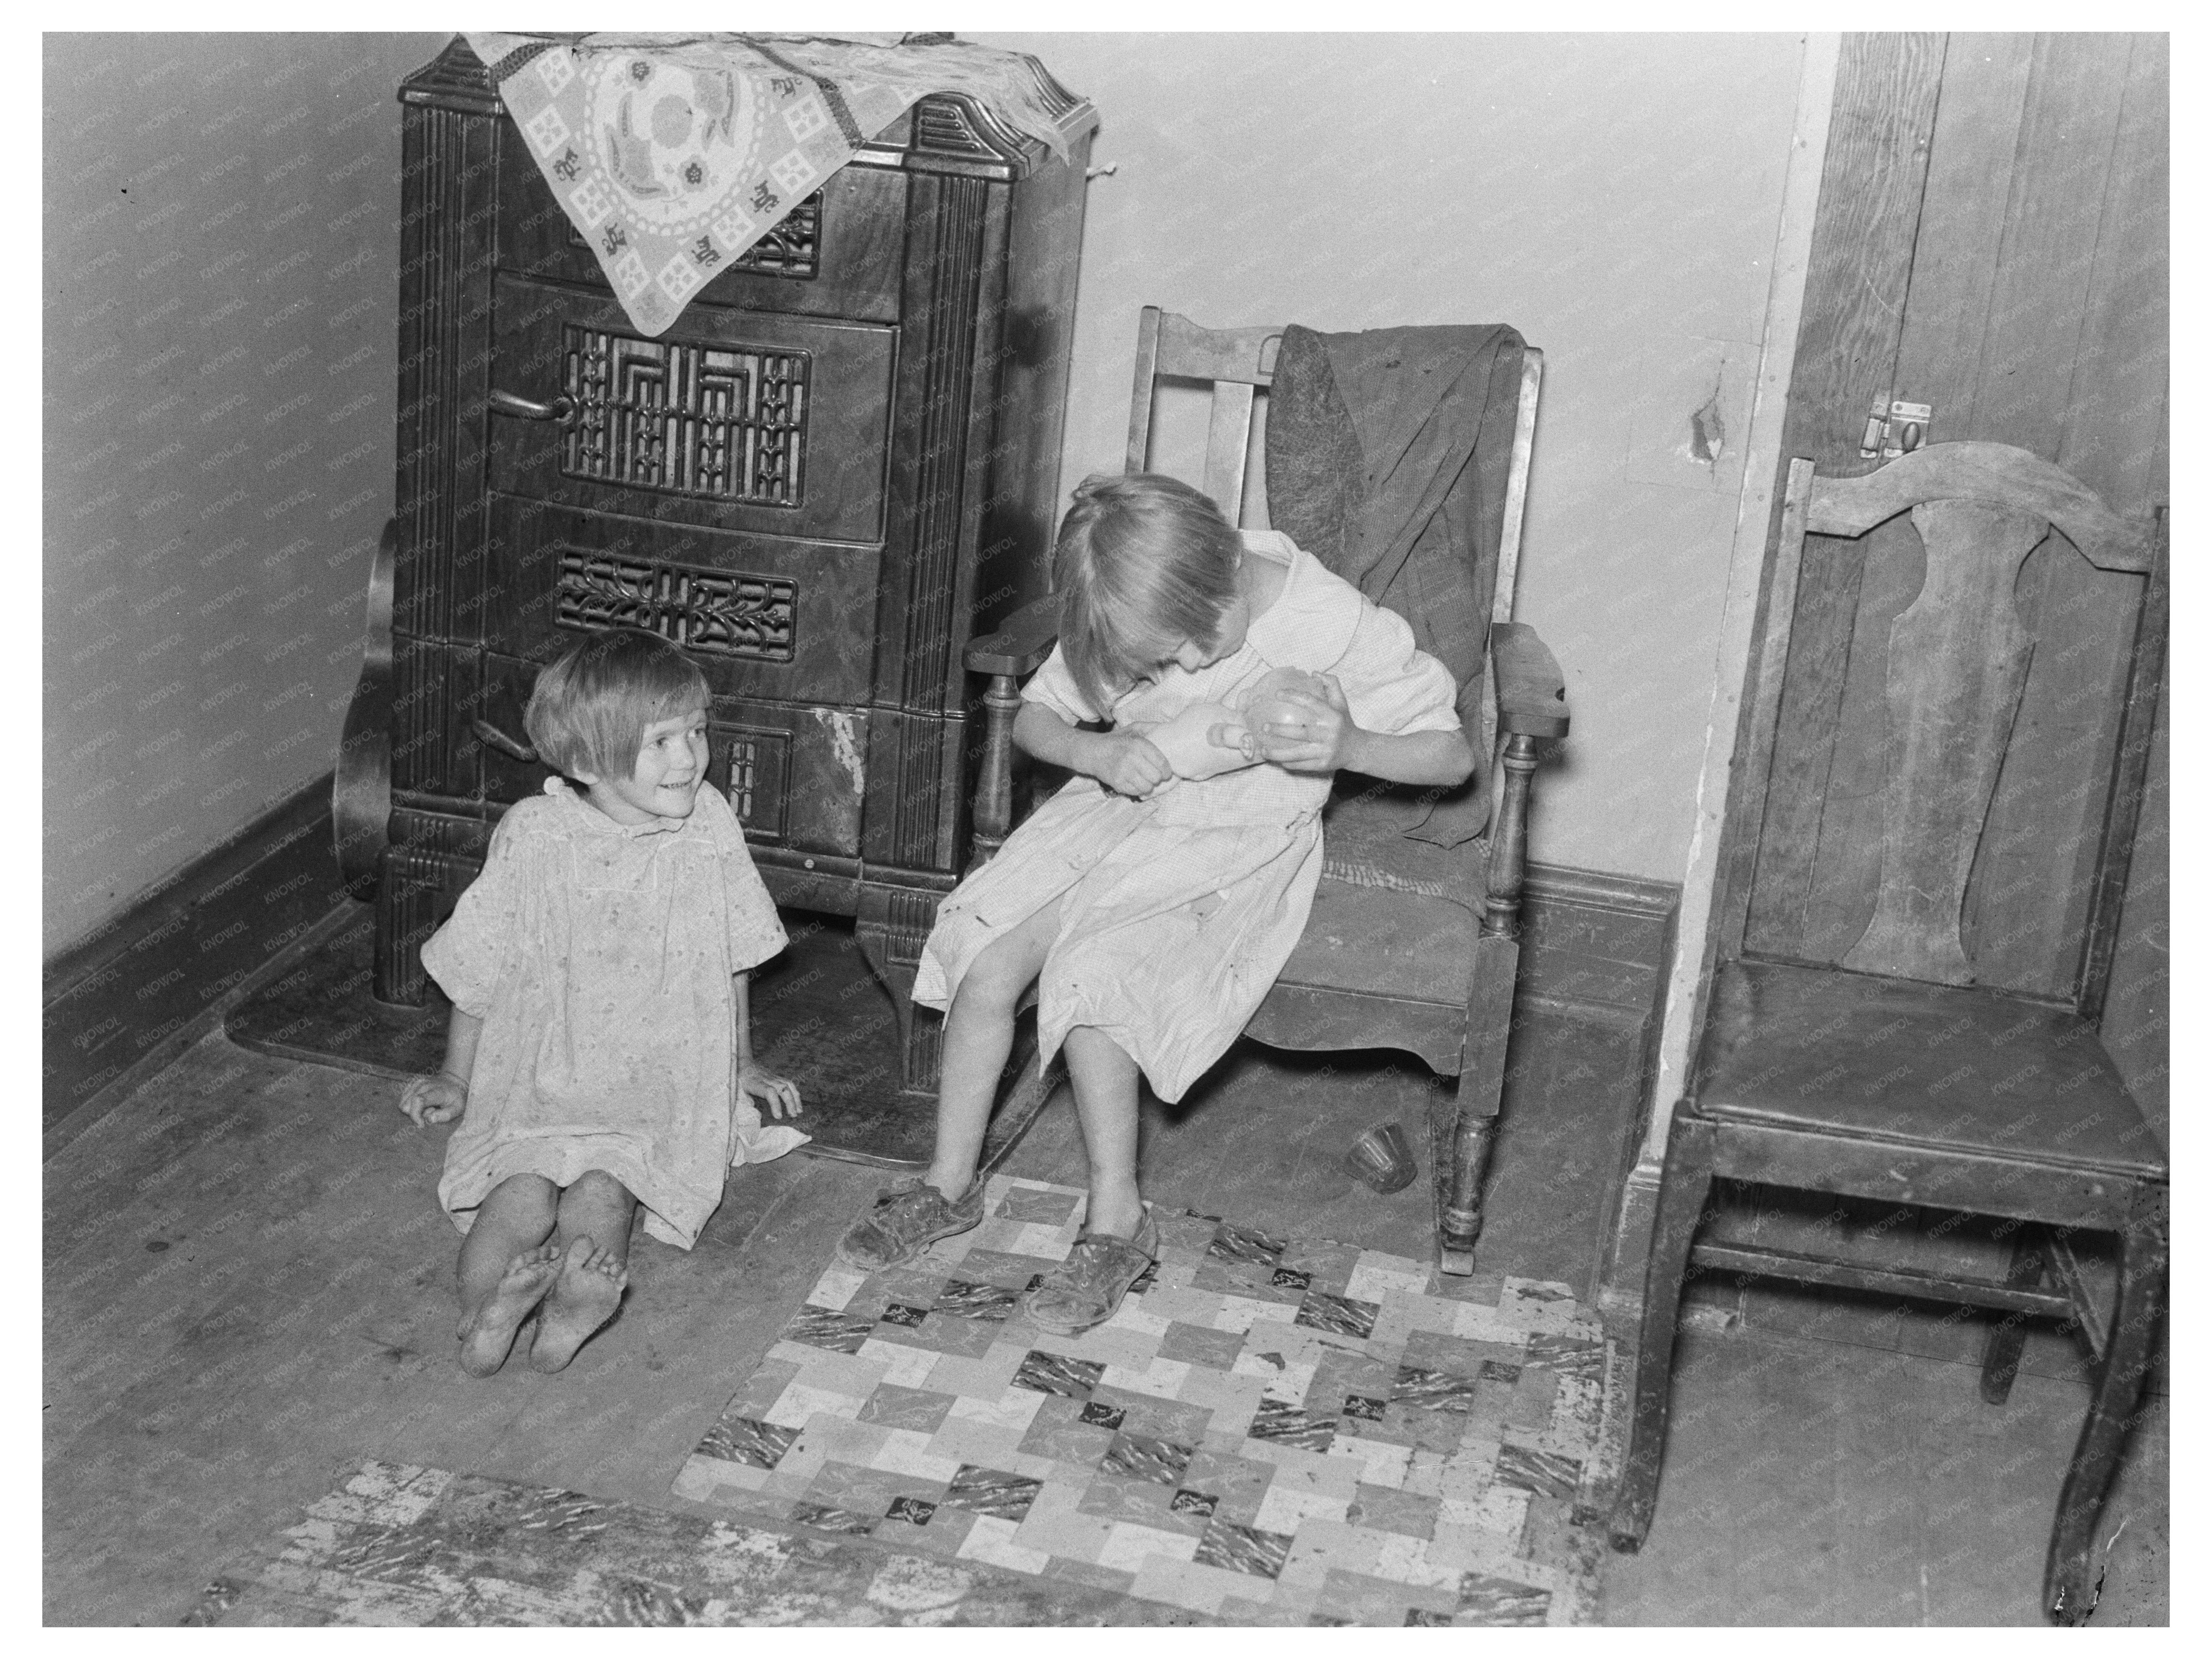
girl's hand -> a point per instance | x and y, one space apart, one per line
779 1095
1129 764
439 1099
1319 738
1228 734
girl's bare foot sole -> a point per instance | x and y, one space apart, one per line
488 1334
583 1298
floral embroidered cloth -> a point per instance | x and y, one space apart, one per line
673 153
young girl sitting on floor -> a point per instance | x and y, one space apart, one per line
1152 905
600 1046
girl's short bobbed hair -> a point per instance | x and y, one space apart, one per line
590 708
1144 562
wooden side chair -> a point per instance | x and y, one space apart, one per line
1910 1057
1410 945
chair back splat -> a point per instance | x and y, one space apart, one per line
1910 804
1958 660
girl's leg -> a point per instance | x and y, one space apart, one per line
591 1235
598 1207
505 1268
1105 1079
979 1031
1118 1244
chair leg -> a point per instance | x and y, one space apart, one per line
1460 1133
1459 1137
1683 1185
2073 1575
2000 1349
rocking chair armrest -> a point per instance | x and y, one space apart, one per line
1021 645
1532 693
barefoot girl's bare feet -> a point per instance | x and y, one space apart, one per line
583 1298
488 1333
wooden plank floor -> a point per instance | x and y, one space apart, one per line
1821 1483
248 1283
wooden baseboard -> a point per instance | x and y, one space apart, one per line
1597 946
119 1006
1595 939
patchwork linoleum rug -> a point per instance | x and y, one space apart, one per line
400 1545
1268 1432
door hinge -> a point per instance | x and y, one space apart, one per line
1894 429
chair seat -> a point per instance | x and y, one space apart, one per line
1387 959
1940 1067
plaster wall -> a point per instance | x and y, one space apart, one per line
1615 196
219 364
219 367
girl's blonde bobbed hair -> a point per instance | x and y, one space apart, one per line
1144 562
589 709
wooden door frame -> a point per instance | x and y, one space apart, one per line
1620 1286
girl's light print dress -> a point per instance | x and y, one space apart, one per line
598 956
1177 912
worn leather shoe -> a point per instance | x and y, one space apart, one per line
906 1220
1086 1289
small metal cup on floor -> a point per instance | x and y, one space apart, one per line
1383 1158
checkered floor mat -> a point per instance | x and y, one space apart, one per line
399 1544
1268 1431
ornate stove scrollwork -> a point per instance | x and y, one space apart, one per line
722 613
722 423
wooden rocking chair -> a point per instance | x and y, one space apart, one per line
1410 945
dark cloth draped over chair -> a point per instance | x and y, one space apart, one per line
1388 457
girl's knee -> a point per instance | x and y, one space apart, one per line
1091 1039
996 979
598 1184
525 1193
